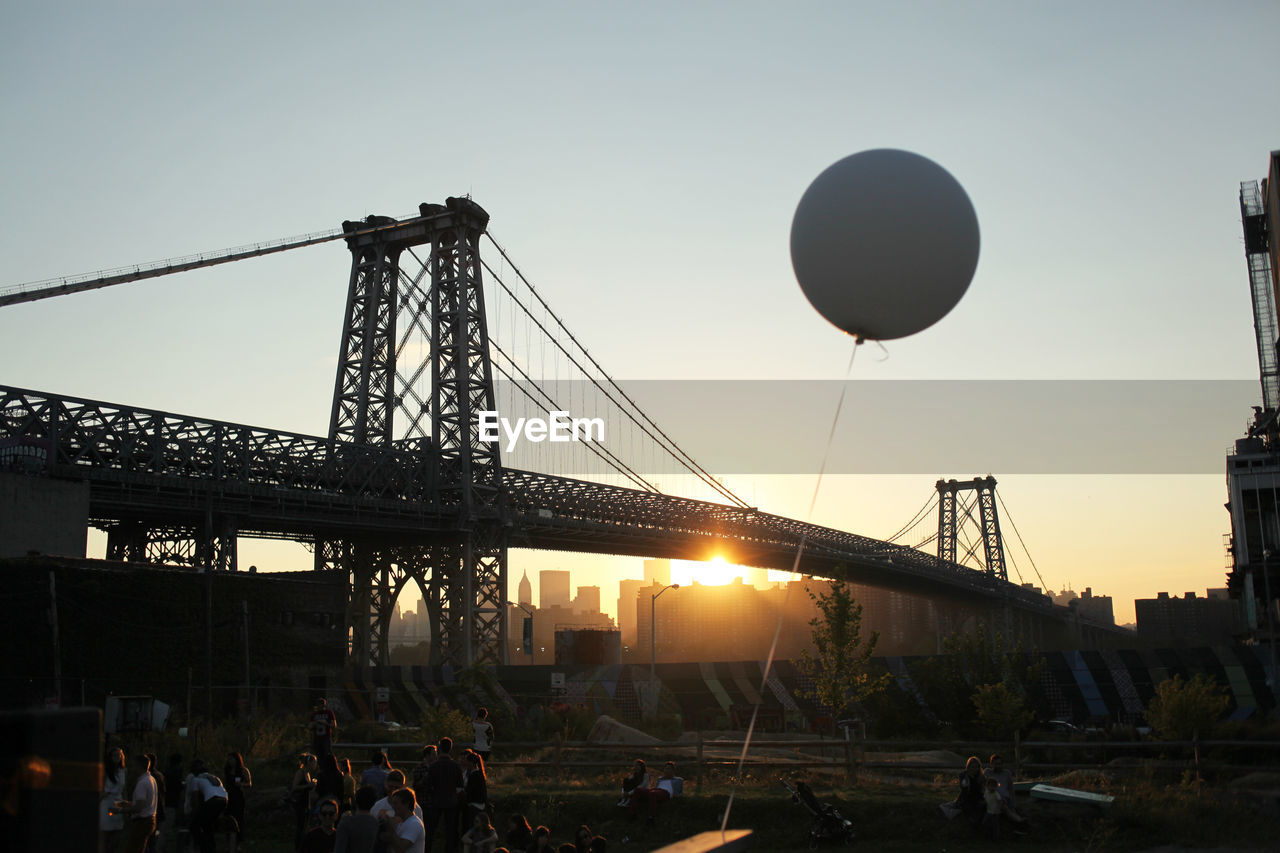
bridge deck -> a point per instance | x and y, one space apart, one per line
175 469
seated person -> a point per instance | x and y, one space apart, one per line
1003 780
969 800
658 791
481 837
639 773
994 805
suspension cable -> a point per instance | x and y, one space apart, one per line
672 448
915 519
1014 525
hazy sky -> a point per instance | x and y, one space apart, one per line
641 163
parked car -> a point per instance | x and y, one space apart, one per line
1061 727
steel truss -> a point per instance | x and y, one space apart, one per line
463 580
951 520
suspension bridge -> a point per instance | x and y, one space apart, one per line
402 488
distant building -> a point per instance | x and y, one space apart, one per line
1064 597
1097 608
587 599
588 646
737 621
553 589
525 590
1187 621
657 571
628 601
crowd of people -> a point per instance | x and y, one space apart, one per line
440 801
139 814
441 798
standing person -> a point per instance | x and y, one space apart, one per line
349 784
212 802
321 838
376 773
420 789
324 726
484 733
110 821
358 831
175 788
329 781
236 778
300 794
141 810
445 780
475 793
155 843
407 833
383 808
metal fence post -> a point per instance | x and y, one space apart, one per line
697 785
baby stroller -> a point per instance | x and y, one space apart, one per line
827 824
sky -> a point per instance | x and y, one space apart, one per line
641 163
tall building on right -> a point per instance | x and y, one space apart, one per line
1253 469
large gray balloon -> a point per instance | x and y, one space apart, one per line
884 243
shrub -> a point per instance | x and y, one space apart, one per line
1182 709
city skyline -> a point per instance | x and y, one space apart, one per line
642 168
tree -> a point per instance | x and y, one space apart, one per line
1001 711
950 682
841 670
1181 709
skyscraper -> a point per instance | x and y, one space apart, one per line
588 600
657 571
628 595
525 595
553 589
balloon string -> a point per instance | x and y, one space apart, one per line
795 567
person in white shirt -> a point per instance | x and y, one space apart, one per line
658 791
206 799
407 834
483 730
142 809
383 809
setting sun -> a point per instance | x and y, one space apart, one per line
717 572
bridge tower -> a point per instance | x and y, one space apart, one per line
462 574
954 512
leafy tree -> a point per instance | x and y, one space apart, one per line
1182 708
1001 711
971 660
841 670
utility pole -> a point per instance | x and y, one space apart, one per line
653 645
248 681
57 651
208 639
